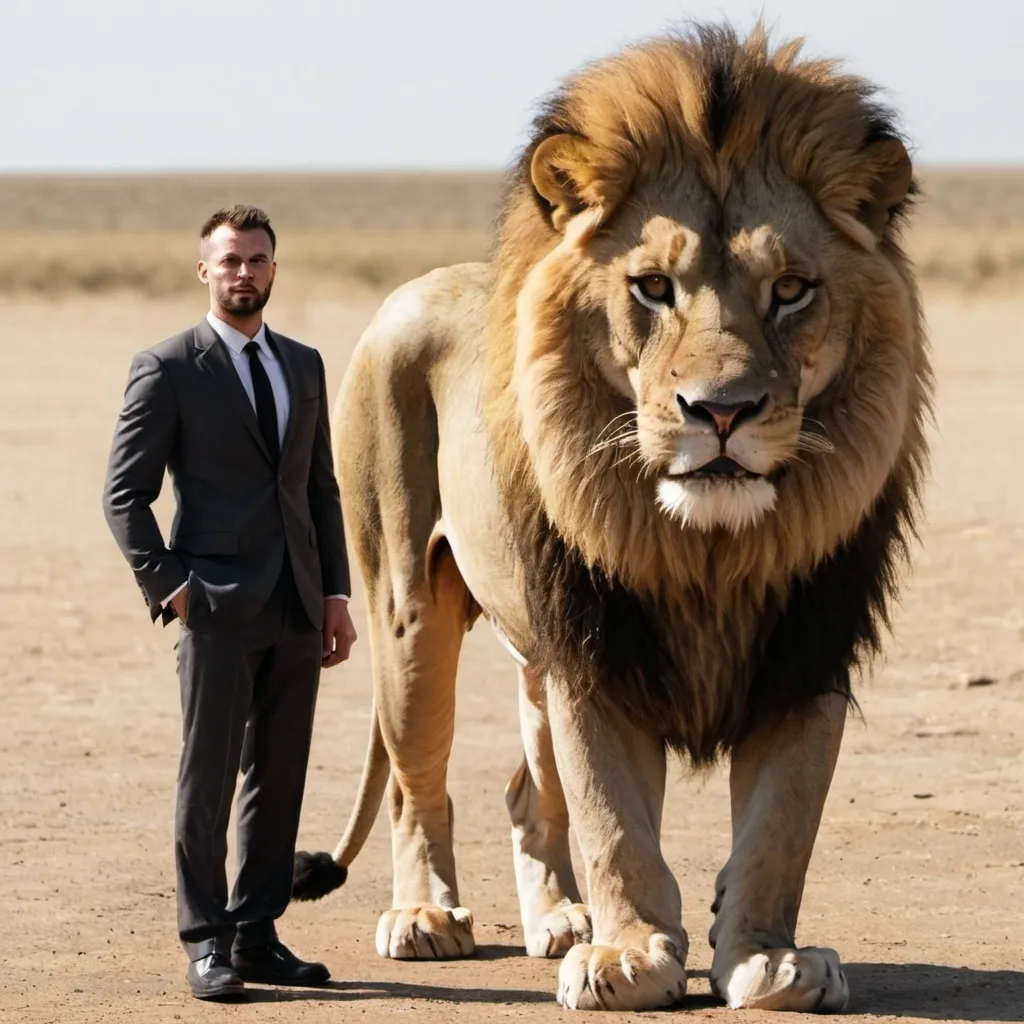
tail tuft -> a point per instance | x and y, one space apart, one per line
314 875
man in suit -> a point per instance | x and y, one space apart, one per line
256 572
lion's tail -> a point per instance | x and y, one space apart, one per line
317 874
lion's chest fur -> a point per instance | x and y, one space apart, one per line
701 667
683 663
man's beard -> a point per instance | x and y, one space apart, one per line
247 303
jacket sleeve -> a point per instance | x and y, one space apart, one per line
146 430
325 501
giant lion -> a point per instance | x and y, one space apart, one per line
668 442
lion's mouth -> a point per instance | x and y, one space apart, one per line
722 468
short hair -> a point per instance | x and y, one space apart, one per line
241 218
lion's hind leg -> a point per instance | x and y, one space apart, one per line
779 781
554 918
416 635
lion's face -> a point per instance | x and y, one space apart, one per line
703 315
726 321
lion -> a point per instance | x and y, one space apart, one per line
669 443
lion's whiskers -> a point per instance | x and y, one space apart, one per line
627 437
611 423
814 444
625 433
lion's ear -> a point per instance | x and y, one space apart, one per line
893 174
890 177
564 174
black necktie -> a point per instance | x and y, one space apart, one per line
266 410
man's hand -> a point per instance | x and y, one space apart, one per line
339 633
180 605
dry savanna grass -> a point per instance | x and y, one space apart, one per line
163 263
97 234
65 235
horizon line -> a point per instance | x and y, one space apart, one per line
376 169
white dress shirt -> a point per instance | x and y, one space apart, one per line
235 341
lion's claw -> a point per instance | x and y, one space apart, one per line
611 978
808 980
558 931
425 933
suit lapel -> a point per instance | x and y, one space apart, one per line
213 357
286 357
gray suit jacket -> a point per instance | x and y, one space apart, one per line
186 410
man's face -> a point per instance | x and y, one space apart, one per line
238 266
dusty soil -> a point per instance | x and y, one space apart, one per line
918 875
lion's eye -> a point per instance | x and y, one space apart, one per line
790 294
653 290
790 289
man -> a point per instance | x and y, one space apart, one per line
239 417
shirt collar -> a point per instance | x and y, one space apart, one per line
236 340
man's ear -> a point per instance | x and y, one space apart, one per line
201 271
564 174
890 176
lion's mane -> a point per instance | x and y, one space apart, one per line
697 636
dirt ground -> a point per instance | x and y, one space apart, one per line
918 874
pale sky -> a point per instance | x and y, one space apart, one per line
155 85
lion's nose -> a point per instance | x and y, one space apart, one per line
725 416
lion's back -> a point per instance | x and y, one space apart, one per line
413 379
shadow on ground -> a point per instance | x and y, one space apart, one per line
935 992
911 991
356 991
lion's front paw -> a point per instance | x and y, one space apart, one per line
425 933
558 931
808 980
610 978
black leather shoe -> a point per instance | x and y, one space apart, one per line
213 977
275 964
